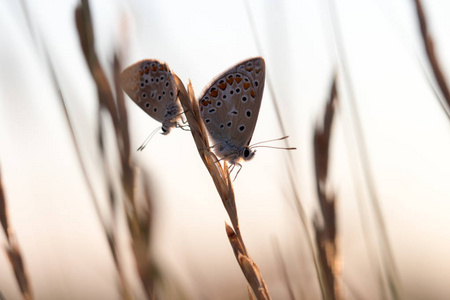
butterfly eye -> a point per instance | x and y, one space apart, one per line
246 153
164 129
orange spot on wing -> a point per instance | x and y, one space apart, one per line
206 102
214 93
222 86
246 85
147 70
258 70
249 69
238 79
154 68
135 87
141 72
252 93
230 80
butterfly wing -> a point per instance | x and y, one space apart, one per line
230 104
150 84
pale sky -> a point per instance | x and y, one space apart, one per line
406 131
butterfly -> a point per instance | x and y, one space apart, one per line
229 107
150 84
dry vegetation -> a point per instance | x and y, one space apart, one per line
322 233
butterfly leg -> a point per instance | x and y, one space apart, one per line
230 169
183 127
240 168
182 117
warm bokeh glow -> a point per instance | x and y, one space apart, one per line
405 129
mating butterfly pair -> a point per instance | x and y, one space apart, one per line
229 106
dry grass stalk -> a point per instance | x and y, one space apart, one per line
86 35
326 232
139 219
138 211
431 54
13 250
388 268
284 271
222 181
71 129
250 293
290 165
248 267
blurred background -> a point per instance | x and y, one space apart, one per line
405 129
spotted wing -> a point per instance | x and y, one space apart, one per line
230 104
150 84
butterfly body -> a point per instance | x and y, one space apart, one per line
229 107
150 84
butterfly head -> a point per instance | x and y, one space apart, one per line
167 126
165 130
247 153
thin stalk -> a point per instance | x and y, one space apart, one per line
290 165
389 265
433 60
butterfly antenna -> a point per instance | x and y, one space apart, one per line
283 148
279 139
147 140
